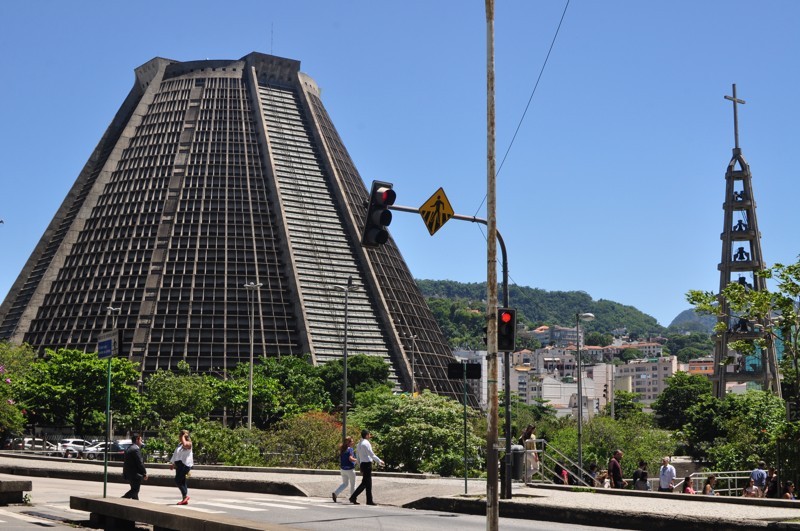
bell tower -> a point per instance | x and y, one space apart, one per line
741 259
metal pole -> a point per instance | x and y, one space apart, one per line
413 363
492 501
580 394
115 312
344 356
466 467
251 289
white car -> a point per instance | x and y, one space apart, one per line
73 447
40 446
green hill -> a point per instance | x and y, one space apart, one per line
459 307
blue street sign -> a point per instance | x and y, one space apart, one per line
105 349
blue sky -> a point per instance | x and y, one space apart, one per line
613 186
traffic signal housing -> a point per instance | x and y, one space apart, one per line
381 197
506 329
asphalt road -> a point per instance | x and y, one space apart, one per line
50 509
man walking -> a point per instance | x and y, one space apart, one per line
133 470
666 476
615 471
365 459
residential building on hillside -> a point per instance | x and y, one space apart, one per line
704 365
648 376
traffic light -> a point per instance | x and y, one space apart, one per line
605 390
381 197
506 329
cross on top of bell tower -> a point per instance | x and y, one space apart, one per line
735 101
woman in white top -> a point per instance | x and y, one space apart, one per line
182 462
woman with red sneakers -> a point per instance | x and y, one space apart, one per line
182 462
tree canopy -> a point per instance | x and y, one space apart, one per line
69 387
682 392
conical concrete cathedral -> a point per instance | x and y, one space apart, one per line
214 175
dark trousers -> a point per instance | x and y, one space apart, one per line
136 484
180 477
366 482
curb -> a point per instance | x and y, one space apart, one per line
239 485
592 517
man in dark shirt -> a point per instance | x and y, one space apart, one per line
615 471
133 470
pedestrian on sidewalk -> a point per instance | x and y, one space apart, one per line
365 459
708 488
637 474
181 462
687 486
133 470
759 476
751 491
666 476
347 466
788 491
615 471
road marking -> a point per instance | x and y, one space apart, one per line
20 516
65 507
230 506
265 504
198 509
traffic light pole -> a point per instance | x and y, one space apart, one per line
506 487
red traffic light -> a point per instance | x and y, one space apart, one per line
506 317
386 196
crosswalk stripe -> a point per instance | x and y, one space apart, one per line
265 504
285 499
65 507
231 506
198 509
19 516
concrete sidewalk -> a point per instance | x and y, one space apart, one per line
621 509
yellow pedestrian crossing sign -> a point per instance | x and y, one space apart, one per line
436 211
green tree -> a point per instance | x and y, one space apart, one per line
631 353
308 440
627 406
172 393
682 391
69 387
421 433
363 373
598 339
775 311
736 432
15 361
602 435
282 388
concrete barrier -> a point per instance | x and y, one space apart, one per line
11 490
123 514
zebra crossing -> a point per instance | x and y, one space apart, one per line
250 503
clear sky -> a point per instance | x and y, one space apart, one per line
615 181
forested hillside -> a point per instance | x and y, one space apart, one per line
459 308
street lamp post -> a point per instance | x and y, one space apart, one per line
115 312
346 289
578 318
413 338
251 299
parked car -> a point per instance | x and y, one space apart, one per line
73 447
39 446
116 450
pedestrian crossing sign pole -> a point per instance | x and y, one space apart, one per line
436 211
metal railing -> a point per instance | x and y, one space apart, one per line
550 459
729 483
